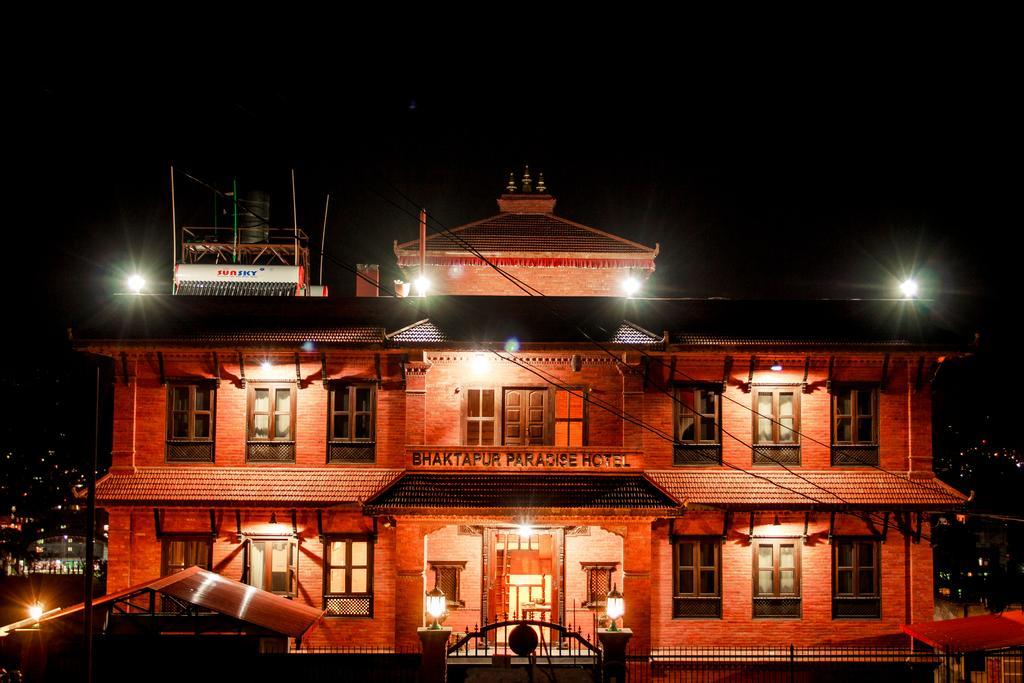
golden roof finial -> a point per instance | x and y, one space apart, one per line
541 187
527 181
511 187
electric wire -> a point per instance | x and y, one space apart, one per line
523 286
625 416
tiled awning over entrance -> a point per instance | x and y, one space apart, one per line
484 492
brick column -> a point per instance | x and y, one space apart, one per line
632 404
415 402
123 446
409 587
636 579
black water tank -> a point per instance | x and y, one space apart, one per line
254 229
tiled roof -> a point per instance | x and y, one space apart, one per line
628 333
530 232
754 340
293 321
509 492
423 332
821 488
170 485
317 335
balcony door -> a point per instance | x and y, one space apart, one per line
525 417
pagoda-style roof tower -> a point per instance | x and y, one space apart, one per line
528 241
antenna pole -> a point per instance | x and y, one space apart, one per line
323 239
174 229
423 242
234 199
295 220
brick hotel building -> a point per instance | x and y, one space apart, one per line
745 472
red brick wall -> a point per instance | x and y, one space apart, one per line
450 376
816 626
598 545
560 281
404 412
446 544
136 554
427 408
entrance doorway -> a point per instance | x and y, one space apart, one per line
523 579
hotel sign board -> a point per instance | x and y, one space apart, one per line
520 459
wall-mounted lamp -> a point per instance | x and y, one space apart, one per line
480 364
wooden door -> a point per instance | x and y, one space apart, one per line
526 417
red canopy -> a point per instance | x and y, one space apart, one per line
988 632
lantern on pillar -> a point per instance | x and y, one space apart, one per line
436 606
615 607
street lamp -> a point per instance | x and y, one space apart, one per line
631 286
615 607
909 288
136 283
35 611
422 284
436 606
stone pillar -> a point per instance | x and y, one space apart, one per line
636 581
434 660
409 588
613 643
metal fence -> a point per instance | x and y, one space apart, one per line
802 664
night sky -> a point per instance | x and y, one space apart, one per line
782 173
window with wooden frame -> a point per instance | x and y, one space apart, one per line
448 577
855 425
190 421
181 552
478 417
776 425
271 423
272 564
570 417
348 576
697 578
776 578
856 591
525 416
599 582
697 418
352 424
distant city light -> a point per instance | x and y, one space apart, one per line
776 366
631 286
909 288
136 283
422 285
35 611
